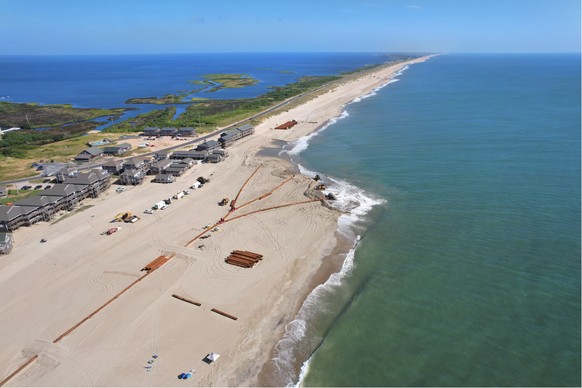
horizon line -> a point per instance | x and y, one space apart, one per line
300 52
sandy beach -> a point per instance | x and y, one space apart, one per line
48 288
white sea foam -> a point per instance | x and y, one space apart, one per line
354 203
303 143
296 330
303 372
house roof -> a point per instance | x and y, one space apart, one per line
113 163
134 162
60 190
8 213
94 151
187 129
163 163
244 127
208 144
114 148
132 172
36 201
83 178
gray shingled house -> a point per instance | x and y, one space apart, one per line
117 150
186 132
208 145
89 154
37 208
164 178
160 167
11 218
67 196
113 167
92 183
131 177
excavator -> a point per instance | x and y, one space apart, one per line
126 217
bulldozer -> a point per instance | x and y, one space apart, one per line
224 202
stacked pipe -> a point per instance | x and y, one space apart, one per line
244 259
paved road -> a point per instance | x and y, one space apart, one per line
194 141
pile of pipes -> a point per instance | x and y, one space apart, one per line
243 259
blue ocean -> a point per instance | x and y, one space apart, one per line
463 179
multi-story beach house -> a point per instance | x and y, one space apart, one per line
113 167
62 196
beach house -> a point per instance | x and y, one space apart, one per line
113 167
117 150
88 154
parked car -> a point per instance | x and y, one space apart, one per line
121 189
38 187
47 187
26 188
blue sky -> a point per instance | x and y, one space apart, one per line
184 26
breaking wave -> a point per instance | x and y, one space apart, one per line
354 203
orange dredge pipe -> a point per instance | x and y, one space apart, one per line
107 303
17 371
233 203
263 196
273 208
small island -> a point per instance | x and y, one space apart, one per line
223 81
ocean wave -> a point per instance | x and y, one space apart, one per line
302 144
354 203
296 330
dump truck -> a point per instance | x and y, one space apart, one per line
224 202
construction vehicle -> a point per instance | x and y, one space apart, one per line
126 217
223 202
121 217
132 219
178 195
